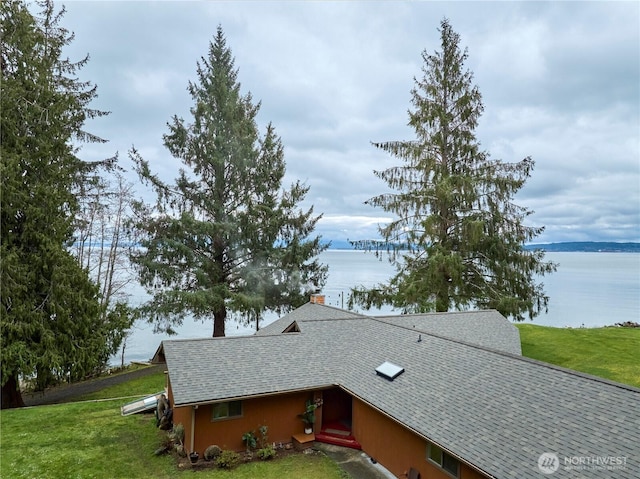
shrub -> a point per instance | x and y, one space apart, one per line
166 445
228 460
266 453
212 453
263 436
178 431
249 439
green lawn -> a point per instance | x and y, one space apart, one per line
612 353
92 440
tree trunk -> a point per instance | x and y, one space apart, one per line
11 395
124 346
219 318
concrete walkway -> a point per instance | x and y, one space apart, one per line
356 463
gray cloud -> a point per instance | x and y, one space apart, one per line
560 82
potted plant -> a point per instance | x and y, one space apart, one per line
309 416
193 457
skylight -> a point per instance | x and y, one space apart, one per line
389 370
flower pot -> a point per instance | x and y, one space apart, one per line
193 457
308 430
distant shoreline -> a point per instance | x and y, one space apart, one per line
564 247
588 247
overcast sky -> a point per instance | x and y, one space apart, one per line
560 83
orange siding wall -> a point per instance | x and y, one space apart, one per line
278 413
395 447
391 444
181 415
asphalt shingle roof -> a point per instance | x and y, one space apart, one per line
307 312
493 409
485 328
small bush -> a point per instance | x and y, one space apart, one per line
266 453
178 431
228 460
263 436
249 439
212 453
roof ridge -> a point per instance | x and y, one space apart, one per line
219 338
438 313
514 356
344 318
346 311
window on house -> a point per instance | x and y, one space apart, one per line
224 410
447 462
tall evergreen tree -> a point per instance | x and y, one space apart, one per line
457 239
50 315
226 236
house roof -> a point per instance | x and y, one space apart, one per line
307 312
485 328
495 410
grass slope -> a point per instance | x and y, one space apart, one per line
79 440
611 353
92 440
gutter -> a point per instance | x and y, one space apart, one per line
193 427
195 404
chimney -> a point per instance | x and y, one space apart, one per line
317 298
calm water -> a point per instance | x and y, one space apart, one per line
589 289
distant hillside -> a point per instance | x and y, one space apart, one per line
575 246
589 247
338 244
